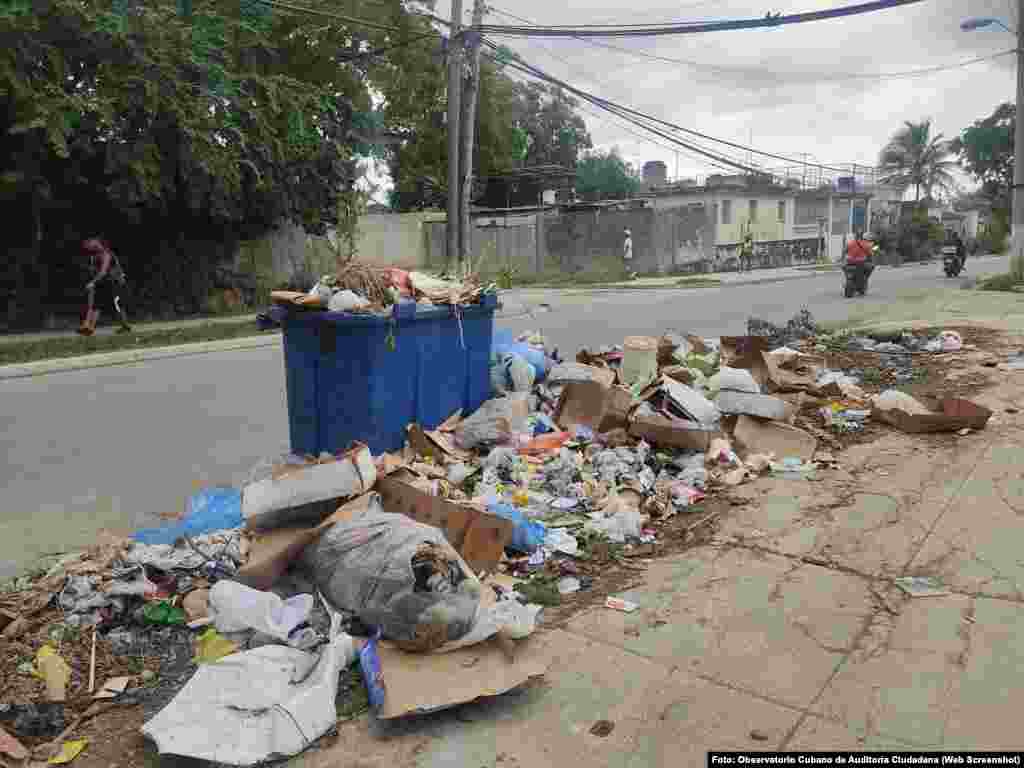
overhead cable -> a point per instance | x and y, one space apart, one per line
769 21
762 73
540 74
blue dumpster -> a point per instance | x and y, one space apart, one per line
346 383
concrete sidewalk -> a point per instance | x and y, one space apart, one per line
110 330
787 633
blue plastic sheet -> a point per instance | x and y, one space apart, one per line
212 509
504 342
369 663
527 535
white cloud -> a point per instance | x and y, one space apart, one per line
766 83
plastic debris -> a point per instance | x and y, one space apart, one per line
235 607
213 509
397 574
527 535
11 747
211 646
567 585
560 540
54 671
164 613
346 301
256 705
921 586
43 720
618 604
69 750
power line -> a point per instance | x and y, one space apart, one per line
624 112
836 76
689 28
332 15
597 100
623 126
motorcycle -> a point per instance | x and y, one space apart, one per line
951 263
855 279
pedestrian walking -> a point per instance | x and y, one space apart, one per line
106 287
747 253
627 252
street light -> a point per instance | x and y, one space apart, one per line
980 22
1017 200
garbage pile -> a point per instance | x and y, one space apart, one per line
361 288
421 563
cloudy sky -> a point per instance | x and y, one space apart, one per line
785 90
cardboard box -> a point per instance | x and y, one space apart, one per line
582 404
772 437
567 373
799 378
619 403
672 433
479 537
686 400
949 414
435 443
420 683
746 352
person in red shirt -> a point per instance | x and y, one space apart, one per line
858 250
105 287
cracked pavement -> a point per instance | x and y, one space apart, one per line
788 631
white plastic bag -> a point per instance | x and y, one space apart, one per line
623 522
249 707
344 301
894 400
496 421
235 607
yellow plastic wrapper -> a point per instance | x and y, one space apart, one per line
69 750
212 646
51 668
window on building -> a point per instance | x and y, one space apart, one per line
753 210
809 211
727 211
782 211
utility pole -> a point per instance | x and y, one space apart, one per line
1017 196
467 134
454 117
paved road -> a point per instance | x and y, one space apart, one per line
116 447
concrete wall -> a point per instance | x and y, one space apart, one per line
494 245
384 239
395 239
765 226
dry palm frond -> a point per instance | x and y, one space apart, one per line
364 280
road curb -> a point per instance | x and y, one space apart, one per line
129 357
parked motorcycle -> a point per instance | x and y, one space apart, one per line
855 279
951 263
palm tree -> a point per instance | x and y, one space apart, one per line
914 158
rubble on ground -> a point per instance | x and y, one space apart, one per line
247 608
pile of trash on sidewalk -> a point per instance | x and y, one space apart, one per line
361 288
421 564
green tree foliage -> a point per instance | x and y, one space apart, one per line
418 166
181 121
605 175
555 132
986 150
914 158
